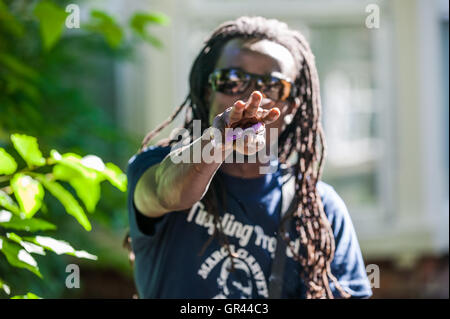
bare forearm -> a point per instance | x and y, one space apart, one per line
171 185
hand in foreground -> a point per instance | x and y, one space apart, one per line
242 126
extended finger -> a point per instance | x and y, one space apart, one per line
236 112
252 104
264 109
271 116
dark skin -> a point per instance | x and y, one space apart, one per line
170 186
258 57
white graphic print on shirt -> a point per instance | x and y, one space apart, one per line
248 275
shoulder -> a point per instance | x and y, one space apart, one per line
335 208
330 198
140 162
348 264
157 153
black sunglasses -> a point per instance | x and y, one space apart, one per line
235 81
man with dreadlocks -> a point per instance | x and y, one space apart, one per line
221 229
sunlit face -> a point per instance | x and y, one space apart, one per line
258 57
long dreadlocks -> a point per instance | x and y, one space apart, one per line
301 139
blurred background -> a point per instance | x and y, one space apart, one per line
385 101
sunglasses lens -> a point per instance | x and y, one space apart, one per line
236 81
232 82
272 88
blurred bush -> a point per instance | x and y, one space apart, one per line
58 84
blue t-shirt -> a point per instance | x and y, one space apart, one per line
167 259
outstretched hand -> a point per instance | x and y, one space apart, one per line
251 118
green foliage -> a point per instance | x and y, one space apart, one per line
29 193
51 19
28 185
18 257
56 84
28 148
8 203
67 200
9 22
140 21
7 163
87 189
4 287
29 295
9 221
106 25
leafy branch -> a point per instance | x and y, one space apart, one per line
48 74
29 184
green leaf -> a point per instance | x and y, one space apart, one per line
106 26
16 84
74 162
29 247
85 174
14 237
115 176
4 287
93 162
109 171
60 247
67 200
87 189
8 203
18 67
51 19
7 163
9 221
29 295
9 23
152 40
18 257
29 193
64 173
140 21
28 148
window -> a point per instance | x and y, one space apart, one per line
350 114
